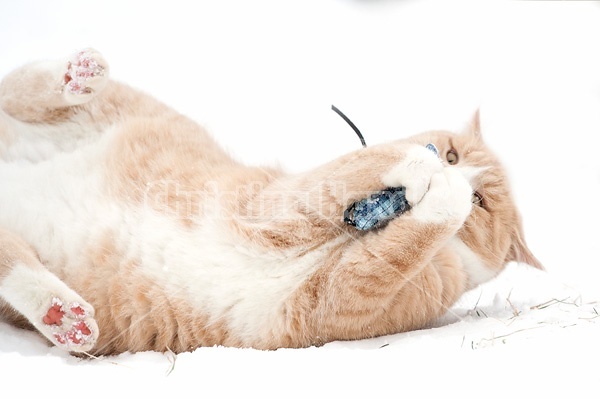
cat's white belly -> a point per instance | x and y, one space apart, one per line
61 208
221 276
53 204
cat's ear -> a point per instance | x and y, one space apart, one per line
474 127
520 253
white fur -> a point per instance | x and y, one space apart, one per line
447 200
414 172
29 290
54 203
476 270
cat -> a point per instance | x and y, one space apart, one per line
125 227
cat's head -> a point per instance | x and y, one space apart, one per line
492 235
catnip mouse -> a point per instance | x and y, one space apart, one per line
125 227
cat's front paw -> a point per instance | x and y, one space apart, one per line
86 75
448 199
414 173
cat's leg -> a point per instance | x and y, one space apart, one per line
311 206
336 185
390 279
44 91
53 308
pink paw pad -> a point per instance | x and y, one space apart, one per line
79 334
69 328
55 313
80 69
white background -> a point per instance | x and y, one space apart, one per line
262 75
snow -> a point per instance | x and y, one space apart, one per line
262 75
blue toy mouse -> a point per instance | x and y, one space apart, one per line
379 208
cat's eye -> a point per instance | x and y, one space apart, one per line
477 199
452 157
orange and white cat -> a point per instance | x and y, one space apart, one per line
125 227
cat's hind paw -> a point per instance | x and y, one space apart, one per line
86 75
70 326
